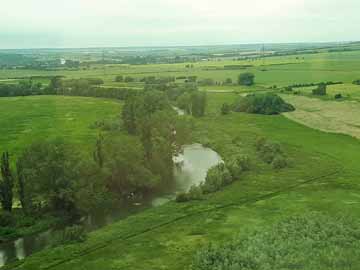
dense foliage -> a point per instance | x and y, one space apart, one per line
246 79
267 103
81 87
357 82
309 242
271 153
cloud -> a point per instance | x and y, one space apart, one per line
147 22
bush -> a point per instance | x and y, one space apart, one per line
320 90
259 143
246 79
228 81
225 109
338 96
312 242
119 78
271 153
238 165
267 103
217 177
195 193
357 82
6 219
182 197
279 162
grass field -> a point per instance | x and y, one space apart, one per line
328 116
323 176
280 71
25 119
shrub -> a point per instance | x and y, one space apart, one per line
225 109
267 103
279 162
182 197
311 241
338 96
320 90
195 193
269 152
357 82
246 79
228 81
259 143
119 78
238 165
217 177
6 219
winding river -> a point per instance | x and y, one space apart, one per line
191 168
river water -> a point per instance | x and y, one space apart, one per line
190 169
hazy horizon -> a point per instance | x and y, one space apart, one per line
161 23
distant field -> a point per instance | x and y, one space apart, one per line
24 119
347 90
328 116
280 71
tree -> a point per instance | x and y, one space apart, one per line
24 187
126 168
98 152
53 167
198 100
6 183
246 79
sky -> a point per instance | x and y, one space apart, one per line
121 23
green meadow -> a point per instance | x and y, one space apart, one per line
24 120
322 176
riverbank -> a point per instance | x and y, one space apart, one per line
191 169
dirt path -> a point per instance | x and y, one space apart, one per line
329 116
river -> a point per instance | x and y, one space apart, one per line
190 169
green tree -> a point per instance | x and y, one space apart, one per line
6 183
53 167
99 152
246 79
126 168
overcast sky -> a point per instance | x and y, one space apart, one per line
90 23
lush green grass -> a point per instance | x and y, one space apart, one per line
25 119
323 173
323 176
